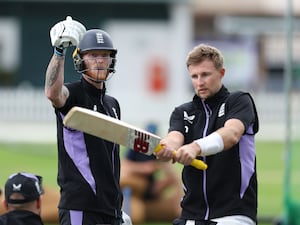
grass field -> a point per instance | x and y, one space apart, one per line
42 159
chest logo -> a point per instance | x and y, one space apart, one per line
221 110
115 112
188 118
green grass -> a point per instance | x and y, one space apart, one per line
35 158
270 170
42 159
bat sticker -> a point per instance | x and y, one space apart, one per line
141 142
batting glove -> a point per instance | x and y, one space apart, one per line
67 33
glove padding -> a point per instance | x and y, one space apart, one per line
67 33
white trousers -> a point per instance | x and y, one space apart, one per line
228 220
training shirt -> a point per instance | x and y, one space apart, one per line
88 167
229 185
20 217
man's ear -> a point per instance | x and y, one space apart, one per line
223 71
5 205
38 203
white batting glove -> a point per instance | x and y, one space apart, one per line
67 33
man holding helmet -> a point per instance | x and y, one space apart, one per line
88 167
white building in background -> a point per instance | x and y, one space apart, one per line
151 75
265 22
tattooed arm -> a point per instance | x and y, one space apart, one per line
55 90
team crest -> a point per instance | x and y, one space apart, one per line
188 118
221 110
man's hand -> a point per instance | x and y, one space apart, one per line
166 153
186 153
169 144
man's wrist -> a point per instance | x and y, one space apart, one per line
210 144
60 51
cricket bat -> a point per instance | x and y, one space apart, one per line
117 131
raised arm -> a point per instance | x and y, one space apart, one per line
55 91
63 34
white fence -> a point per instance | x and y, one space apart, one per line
24 104
27 112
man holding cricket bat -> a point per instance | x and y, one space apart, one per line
218 127
88 166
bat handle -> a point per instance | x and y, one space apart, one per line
197 163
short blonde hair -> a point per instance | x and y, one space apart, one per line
202 52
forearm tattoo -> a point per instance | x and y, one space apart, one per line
54 71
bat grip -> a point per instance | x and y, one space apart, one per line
197 163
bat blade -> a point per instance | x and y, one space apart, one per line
111 129
117 131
